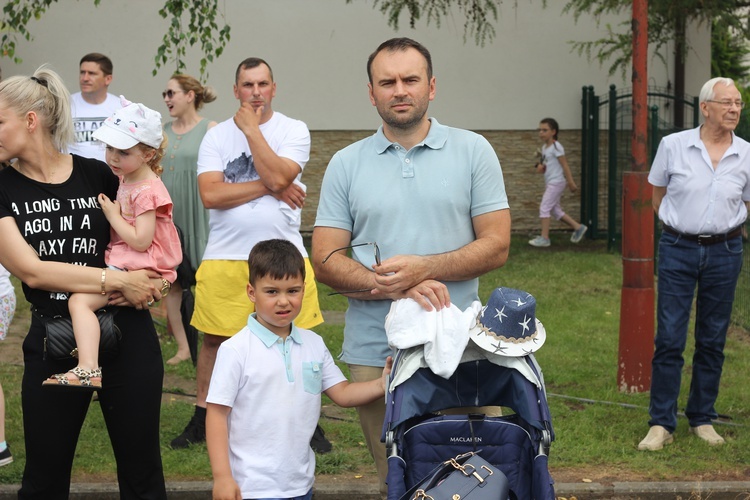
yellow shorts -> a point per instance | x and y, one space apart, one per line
222 305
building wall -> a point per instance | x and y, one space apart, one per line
318 50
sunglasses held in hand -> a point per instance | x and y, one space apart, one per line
377 261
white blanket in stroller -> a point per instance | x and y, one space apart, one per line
443 334
439 340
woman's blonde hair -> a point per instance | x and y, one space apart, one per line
202 94
45 94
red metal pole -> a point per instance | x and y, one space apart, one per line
637 300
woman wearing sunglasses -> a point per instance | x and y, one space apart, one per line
184 97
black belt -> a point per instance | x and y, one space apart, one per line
704 239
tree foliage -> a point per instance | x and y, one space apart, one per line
728 55
192 22
728 59
664 24
666 20
201 27
16 17
479 14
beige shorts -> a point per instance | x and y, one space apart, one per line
222 305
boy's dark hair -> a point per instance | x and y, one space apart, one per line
400 45
250 63
104 62
278 259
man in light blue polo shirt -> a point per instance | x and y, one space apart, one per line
433 200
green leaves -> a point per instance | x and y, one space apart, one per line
192 22
16 15
666 20
479 14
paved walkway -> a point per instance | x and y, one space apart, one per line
726 490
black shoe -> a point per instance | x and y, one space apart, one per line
5 456
319 443
194 433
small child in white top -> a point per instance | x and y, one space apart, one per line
264 395
557 175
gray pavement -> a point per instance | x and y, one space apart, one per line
720 490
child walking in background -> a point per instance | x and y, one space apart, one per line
7 311
264 395
143 235
557 175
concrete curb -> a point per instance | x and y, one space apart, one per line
720 490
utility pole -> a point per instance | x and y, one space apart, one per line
637 299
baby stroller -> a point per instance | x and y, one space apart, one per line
417 439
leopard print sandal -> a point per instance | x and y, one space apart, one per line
82 382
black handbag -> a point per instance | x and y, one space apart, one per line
60 343
465 477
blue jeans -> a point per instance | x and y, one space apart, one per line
714 269
307 496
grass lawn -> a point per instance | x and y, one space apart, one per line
577 288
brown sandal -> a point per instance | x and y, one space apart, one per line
82 382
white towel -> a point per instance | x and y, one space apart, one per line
444 333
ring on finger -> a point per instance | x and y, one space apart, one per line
150 302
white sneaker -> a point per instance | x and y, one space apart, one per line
656 438
578 233
539 241
708 434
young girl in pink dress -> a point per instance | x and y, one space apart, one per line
143 235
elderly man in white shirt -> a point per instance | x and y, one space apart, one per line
701 192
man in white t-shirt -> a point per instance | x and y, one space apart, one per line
249 168
92 105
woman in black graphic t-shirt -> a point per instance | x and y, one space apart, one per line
53 236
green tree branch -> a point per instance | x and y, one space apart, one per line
479 15
615 47
201 27
192 22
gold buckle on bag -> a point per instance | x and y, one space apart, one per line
469 470
422 495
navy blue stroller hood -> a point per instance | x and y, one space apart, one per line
417 439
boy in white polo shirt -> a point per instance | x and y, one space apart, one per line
264 395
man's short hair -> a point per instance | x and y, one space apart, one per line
249 63
277 259
104 62
400 44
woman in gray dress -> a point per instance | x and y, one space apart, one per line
184 97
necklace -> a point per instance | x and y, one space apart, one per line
48 176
